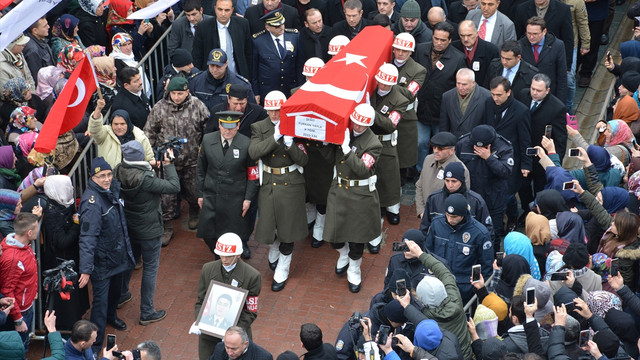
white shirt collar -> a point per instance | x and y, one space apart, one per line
491 19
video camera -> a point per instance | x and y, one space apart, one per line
59 280
354 321
175 143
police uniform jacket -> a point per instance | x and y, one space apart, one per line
222 181
353 212
489 178
213 92
281 200
244 276
432 179
252 114
255 12
411 77
270 72
105 249
390 110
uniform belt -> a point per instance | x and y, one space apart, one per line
345 182
280 171
384 137
393 138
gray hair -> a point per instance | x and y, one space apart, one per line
151 348
240 331
542 77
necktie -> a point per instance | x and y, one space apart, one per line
225 147
218 321
482 32
534 106
280 48
508 75
536 52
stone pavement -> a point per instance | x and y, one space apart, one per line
314 293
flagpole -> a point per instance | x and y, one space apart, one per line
94 75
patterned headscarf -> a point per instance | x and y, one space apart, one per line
634 184
15 89
554 263
21 118
620 133
65 26
105 70
70 57
601 301
95 51
120 39
118 10
57 89
601 264
90 6
8 202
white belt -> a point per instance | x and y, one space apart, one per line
393 137
370 182
282 170
412 105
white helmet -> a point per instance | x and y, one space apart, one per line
404 41
337 43
311 66
363 114
228 244
274 100
387 74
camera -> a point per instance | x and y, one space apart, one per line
173 142
136 355
354 321
59 280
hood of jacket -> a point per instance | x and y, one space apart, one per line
131 175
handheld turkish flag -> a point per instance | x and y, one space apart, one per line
320 109
70 106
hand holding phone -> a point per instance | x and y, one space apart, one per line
532 151
400 246
111 341
547 131
401 287
475 273
573 152
569 185
531 295
614 267
499 257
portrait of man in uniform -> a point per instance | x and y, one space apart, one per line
222 307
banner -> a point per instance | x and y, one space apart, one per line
152 10
21 17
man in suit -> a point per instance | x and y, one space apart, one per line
545 109
557 17
218 316
315 36
458 10
227 32
184 29
478 53
386 7
510 65
354 21
442 63
335 10
131 97
277 57
436 15
546 52
463 106
255 15
493 25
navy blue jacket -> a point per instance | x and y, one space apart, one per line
213 92
105 249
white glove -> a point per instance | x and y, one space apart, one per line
276 134
345 143
288 140
194 329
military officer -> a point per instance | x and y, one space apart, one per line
390 105
210 86
226 181
411 76
281 197
353 205
277 57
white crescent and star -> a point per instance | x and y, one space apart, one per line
81 92
353 59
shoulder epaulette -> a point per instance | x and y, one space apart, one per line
259 33
242 78
291 30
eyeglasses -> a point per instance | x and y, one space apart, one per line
103 176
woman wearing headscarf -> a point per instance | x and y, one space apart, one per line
505 278
549 203
10 206
538 230
92 21
17 92
69 58
519 243
48 76
621 241
62 230
23 120
119 131
139 31
106 73
9 178
63 33
571 227
124 56
620 150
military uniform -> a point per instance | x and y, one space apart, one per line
411 76
243 276
213 92
272 72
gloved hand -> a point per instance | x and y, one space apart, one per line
288 140
345 143
276 133
194 329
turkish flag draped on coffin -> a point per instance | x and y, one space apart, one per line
70 106
320 109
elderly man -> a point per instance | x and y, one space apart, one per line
354 21
410 22
436 15
13 63
236 344
184 28
477 52
493 26
463 106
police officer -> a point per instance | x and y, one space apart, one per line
277 57
462 241
411 76
211 85
281 196
353 205
390 105
489 158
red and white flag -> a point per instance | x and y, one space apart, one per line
69 107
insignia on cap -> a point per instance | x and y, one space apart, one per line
449 174
277 14
450 209
216 55
96 170
479 143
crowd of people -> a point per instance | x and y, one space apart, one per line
474 106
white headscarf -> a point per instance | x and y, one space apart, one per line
59 189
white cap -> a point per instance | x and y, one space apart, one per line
274 100
228 244
363 114
404 41
337 43
387 74
311 66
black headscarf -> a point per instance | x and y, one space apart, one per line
128 136
551 202
513 265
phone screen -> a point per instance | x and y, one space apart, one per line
532 151
567 185
401 287
111 341
499 257
559 276
574 152
383 334
531 295
584 337
614 267
547 131
475 273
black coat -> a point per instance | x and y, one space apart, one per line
551 111
437 81
252 113
343 28
395 17
255 12
253 352
558 19
324 352
335 12
91 29
138 107
551 62
457 12
207 39
522 79
312 4
308 43
485 53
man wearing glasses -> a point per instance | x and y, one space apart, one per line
105 250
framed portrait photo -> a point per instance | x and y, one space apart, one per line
221 308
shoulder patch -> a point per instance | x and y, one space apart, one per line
295 31
339 345
259 33
487 245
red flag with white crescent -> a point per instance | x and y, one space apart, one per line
69 108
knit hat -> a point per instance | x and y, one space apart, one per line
178 83
486 322
454 170
394 312
630 80
483 135
456 204
493 349
99 164
181 57
132 151
414 235
443 138
431 291
428 335
608 343
497 305
410 10
399 274
576 256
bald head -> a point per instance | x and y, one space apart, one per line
436 15
468 33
